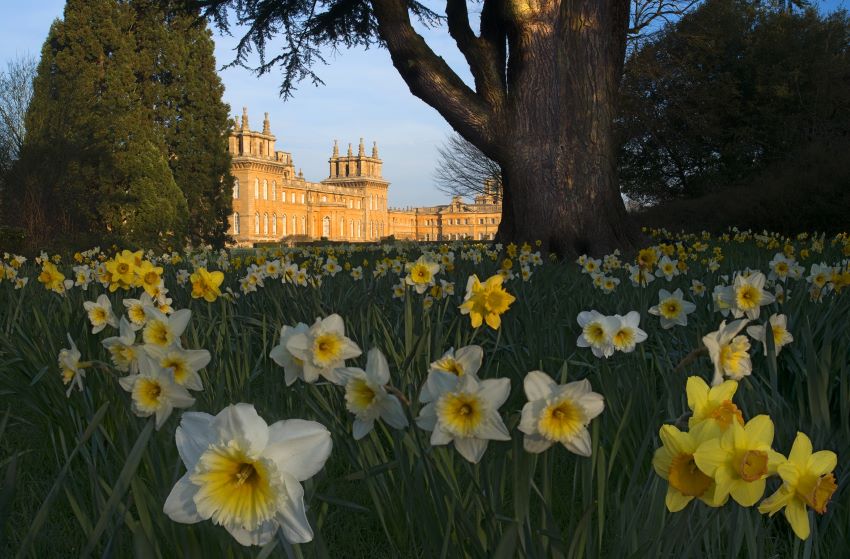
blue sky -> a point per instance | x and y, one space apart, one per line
363 96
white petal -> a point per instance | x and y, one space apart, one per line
536 444
493 428
538 385
262 535
334 323
470 358
299 447
393 413
241 422
197 359
193 436
293 517
362 428
377 367
437 384
440 437
470 448
580 444
178 321
180 504
495 391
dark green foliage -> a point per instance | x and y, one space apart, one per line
126 132
729 92
808 191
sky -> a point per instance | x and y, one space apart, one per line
363 96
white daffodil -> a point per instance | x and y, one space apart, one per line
627 334
293 368
453 365
122 348
781 335
165 331
184 364
72 370
780 267
136 310
100 314
640 276
466 412
723 298
558 413
154 391
420 274
667 268
245 475
596 332
729 352
323 349
672 309
367 398
749 295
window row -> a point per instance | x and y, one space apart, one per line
292 195
270 226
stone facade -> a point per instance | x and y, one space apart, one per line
271 202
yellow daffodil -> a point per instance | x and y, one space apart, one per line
807 481
149 277
713 405
51 277
486 302
740 460
206 284
122 269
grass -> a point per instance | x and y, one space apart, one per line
81 479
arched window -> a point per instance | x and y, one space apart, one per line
265 189
274 224
283 224
235 223
283 196
351 228
294 225
303 225
257 223
256 188
274 190
266 224
292 199
342 228
326 226
235 188
358 228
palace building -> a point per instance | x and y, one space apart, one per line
271 202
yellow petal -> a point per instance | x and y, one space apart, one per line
800 450
697 391
661 462
789 472
822 462
797 516
675 501
724 391
709 456
677 441
746 493
760 430
777 501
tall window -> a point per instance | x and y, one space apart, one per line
257 223
236 188
358 228
274 190
342 228
303 225
283 223
265 189
283 196
256 188
294 224
266 225
235 223
274 224
326 226
302 198
350 204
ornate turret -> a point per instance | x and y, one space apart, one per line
267 129
349 149
336 149
361 151
374 150
244 118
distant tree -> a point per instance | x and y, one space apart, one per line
728 91
15 94
91 140
463 169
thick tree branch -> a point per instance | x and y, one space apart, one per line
429 77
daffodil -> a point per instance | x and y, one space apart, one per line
779 327
667 268
674 462
122 269
749 295
245 475
206 284
323 349
184 364
52 278
740 460
597 331
149 277
486 302
729 352
453 364
367 398
420 274
627 335
672 309
558 413
122 348
293 368
713 404
466 412
100 314
136 310
165 331
808 481
73 372
154 391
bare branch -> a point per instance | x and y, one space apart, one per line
462 169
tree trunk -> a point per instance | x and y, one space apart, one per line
559 162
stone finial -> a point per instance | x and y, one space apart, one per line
336 149
375 150
244 118
361 151
267 128
300 173
349 149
